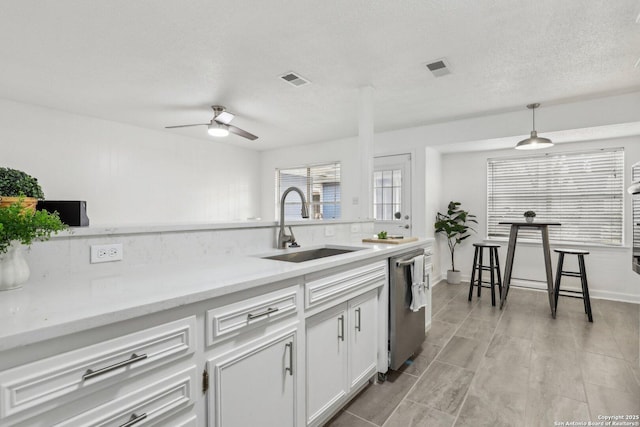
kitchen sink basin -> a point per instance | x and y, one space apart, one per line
311 254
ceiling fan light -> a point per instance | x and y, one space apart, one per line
218 130
534 142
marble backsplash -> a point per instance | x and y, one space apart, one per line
70 253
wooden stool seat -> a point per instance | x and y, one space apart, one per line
571 251
582 274
486 245
493 268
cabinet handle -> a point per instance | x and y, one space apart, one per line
290 367
268 311
134 358
134 419
341 321
358 319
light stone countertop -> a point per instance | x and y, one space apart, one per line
56 306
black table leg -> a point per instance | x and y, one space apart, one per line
513 234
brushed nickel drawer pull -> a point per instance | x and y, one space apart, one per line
268 311
134 419
134 358
290 367
358 319
341 321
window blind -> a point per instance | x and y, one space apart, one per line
320 185
584 191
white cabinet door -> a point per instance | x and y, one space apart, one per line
255 385
363 331
326 360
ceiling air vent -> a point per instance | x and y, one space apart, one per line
294 79
439 67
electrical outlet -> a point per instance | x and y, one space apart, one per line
329 231
106 253
355 228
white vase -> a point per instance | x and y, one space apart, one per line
528 219
454 277
14 270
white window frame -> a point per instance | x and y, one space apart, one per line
560 204
316 207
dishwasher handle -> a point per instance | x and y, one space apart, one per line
404 263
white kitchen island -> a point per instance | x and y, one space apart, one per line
229 341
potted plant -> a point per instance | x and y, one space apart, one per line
453 224
20 226
15 184
529 215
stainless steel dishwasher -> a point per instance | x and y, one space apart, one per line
406 327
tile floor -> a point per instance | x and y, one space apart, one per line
480 366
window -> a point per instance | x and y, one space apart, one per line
581 190
320 185
387 191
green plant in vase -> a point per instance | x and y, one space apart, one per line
454 226
529 215
21 226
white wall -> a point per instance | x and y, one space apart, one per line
127 174
464 179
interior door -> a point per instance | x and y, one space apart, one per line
392 194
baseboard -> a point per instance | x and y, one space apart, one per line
541 286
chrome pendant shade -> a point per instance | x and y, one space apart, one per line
534 142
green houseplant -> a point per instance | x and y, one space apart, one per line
454 226
529 215
15 184
20 226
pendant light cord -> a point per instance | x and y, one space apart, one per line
534 117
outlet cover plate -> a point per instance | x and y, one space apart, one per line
106 253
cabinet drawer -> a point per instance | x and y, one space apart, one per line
235 318
148 405
336 285
49 382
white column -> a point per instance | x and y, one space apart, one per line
365 151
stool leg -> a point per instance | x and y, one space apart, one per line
497 258
473 273
493 283
481 264
558 275
585 287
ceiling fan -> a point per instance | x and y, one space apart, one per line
219 124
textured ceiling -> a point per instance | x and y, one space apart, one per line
154 63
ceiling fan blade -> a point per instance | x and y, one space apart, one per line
242 133
186 126
224 117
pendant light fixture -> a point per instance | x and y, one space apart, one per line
534 142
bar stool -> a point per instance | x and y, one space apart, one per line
493 267
582 274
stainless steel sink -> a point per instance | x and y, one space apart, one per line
311 254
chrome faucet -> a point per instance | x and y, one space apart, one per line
283 237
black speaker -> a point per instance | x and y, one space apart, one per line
72 212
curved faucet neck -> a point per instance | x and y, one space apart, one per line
283 238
